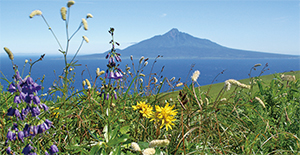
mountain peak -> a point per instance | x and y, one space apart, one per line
173 32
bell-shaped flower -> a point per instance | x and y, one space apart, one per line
53 149
21 136
11 136
27 149
35 111
10 111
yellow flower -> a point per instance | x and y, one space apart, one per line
144 109
165 115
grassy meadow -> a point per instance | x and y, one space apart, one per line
258 115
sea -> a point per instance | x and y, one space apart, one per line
211 70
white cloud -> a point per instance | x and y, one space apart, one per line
163 15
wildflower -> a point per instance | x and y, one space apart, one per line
179 84
53 149
21 136
85 39
159 143
148 151
70 3
144 109
88 83
8 150
260 101
135 146
63 12
34 13
195 75
27 149
85 25
89 15
9 53
11 136
165 115
288 77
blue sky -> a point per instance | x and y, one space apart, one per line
266 26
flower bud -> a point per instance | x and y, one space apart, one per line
86 39
85 25
89 15
256 65
141 59
35 12
141 74
83 83
179 84
146 63
88 83
63 12
70 3
9 53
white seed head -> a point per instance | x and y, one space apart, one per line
148 151
9 53
34 13
63 12
85 25
195 75
135 147
89 15
141 59
88 83
179 84
288 77
86 39
260 101
70 3
159 143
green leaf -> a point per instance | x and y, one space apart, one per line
119 140
95 149
125 129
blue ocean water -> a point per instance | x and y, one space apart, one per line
209 68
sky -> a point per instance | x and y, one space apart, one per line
265 26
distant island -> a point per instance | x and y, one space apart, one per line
179 45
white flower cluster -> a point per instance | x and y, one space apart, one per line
230 82
150 151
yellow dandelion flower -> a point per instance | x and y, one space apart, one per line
165 115
144 109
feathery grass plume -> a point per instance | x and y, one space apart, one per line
159 143
230 82
135 147
256 65
179 84
148 151
195 75
85 25
288 77
34 13
83 83
9 53
63 12
141 59
155 79
70 3
89 15
260 101
146 63
88 83
86 39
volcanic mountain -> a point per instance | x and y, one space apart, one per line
179 45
